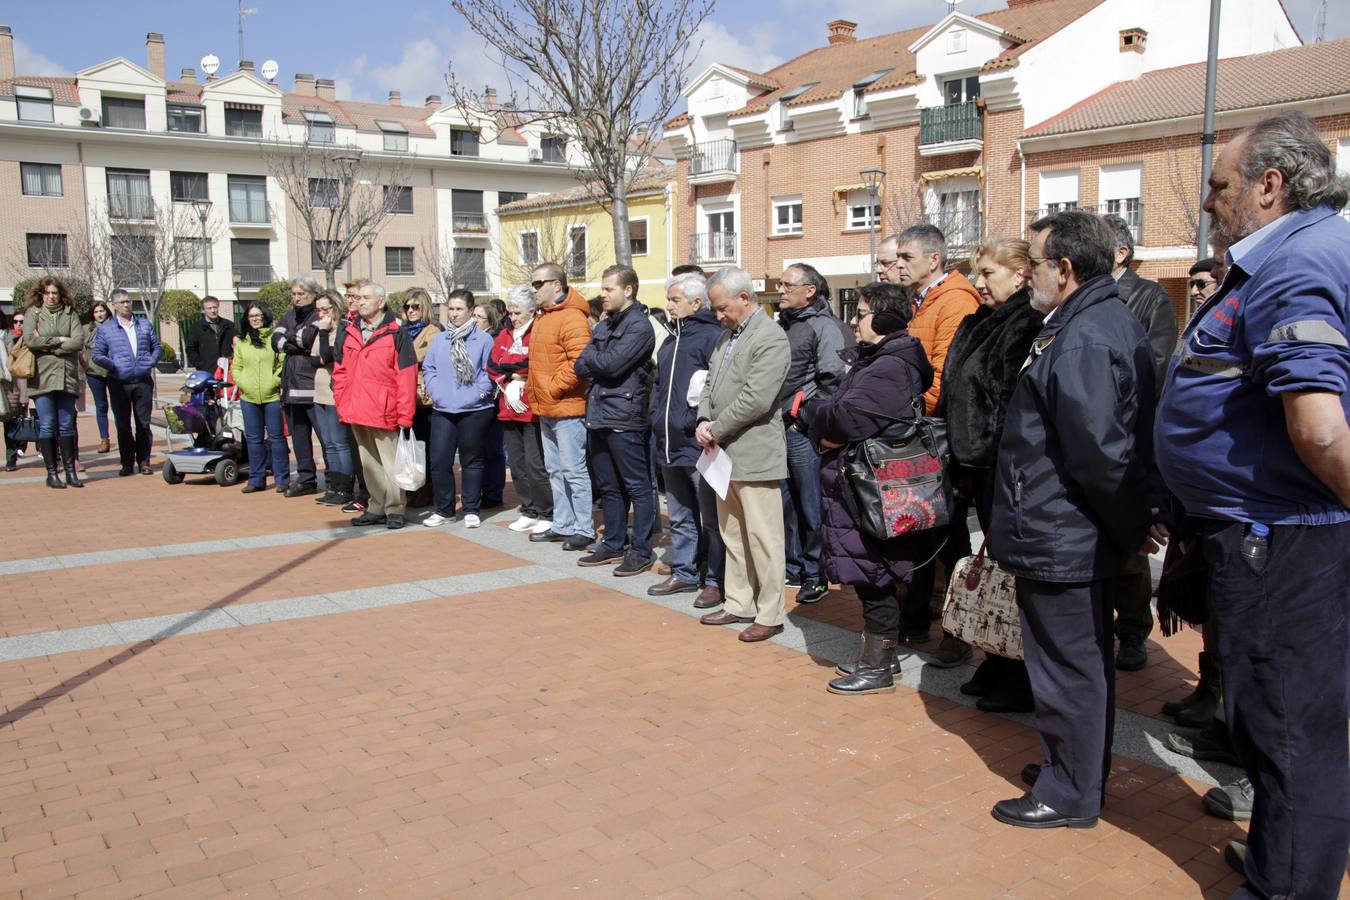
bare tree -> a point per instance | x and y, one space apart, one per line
148 254
338 195
572 237
605 73
1182 177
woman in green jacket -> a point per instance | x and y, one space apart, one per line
257 373
53 331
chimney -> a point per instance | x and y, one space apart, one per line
188 75
154 53
246 65
841 31
1133 42
395 98
304 84
6 52
490 97
326 89
433 101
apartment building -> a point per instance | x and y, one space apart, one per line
119 141
773 166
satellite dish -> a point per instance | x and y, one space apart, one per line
269 70
210 64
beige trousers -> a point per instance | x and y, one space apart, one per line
377 448
751 522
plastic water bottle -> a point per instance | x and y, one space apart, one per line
1256 546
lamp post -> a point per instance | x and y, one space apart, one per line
347 161
872 178
202 208
370 259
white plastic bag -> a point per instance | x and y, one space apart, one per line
410 461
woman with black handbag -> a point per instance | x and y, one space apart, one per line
887 372
16 398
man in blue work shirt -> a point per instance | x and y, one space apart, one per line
1251 435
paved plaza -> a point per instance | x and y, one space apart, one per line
206 693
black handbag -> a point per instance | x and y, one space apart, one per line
897 481
23 429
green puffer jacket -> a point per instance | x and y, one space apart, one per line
257 370
97 371
57 340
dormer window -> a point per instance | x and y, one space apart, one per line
120 112
956 91
35 103
243 120
463 142
784 114
320 127
395 136
859 89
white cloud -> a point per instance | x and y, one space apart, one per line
757 50
28 61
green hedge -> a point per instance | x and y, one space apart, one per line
276 296
177 305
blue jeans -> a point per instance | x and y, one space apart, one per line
694 537
623 474
262 427
494 461
337 454
801 509
56 414
565 459
99 388
462 433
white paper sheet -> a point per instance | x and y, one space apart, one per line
715 467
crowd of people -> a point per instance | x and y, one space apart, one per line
1084 432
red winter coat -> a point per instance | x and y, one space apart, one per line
375 383
502 365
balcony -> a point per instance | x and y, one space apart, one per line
251 276
130 209
468 223
1132 211
958 128
713 162
961 228
713 247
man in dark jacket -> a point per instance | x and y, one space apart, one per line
210 338
294 335
127 347
1133 591
816 337
617 362
681 369
1071 506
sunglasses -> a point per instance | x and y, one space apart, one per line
1201 283
541 282
408 306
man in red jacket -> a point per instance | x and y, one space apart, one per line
375 386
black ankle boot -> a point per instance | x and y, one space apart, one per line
1205 689
873 673
68 462
11 459
48 448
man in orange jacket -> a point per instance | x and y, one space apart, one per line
558 397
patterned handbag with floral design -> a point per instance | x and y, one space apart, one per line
981 606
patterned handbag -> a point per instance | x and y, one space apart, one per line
981 607
897 481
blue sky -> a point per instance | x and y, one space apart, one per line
373 47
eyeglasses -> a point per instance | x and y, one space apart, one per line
408 306
859 314
786 286
541 282
1036 261
884 264
1201 284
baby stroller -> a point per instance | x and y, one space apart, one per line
212 420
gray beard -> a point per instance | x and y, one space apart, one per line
1243 227
1041 302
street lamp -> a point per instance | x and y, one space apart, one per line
202 208
347 162
872 179
370 263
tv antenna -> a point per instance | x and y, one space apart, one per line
952 5
1321 29
243 11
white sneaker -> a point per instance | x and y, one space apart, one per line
542 526
435 520
471 521
524 523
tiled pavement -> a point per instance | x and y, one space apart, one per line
209 693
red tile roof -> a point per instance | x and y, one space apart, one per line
648 182
1244 82
63 89
355 114
182 92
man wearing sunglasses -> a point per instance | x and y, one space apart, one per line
1202 284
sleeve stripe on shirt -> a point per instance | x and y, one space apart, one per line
1312 331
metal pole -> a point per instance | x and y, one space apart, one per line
871 230
206 286
1207 138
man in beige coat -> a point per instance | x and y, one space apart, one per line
737 413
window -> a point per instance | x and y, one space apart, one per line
320 127
637 237
193 253
35 103
324 193
505 197
1059 190
243 121
250 264
529 248
47 251
466 211
859 205
398 261
318 251
1052 208
191 119
185 187
784 114
956 40
40 179
129 195
1120 188
395 137
576 254
248 198
961 90
959 217
859 89
553 148
122 113
463 142
471 268
787 215
402 199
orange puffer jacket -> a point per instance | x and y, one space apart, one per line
559 335
936 322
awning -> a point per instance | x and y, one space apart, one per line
861 188
967 172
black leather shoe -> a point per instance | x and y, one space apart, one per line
1212 745
367 518
125 471
1231 801
1028 812
547 537
983 682
1132 655
1030 772
1235 854
253 488
301 490
394 521
575 543
1200 714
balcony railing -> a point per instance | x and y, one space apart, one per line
1132 211
252 276
960 228
713 247
713 156
472 222
135 209
945 124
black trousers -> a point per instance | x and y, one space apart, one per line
1068 644
525 452
1283 636
131 402
915 610
1132 595
300 424
881 609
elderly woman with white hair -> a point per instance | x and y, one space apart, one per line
507 367
294 336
